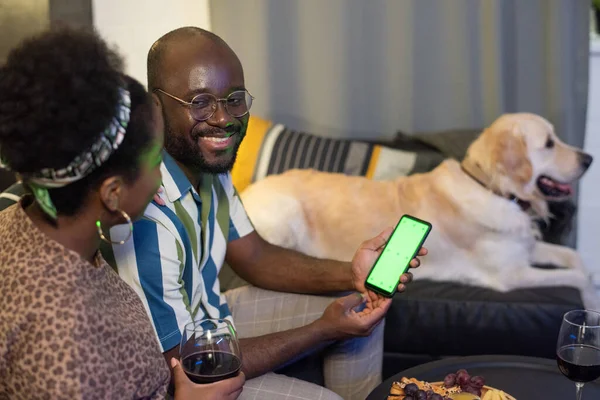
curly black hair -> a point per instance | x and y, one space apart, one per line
58 92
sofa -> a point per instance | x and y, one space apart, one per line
6 179
431 320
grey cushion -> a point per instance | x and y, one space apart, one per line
451 143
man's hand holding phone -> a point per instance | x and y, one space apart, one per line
340 320
363 261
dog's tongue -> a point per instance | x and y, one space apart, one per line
563 187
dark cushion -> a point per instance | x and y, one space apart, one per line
443 318
308 368
452 143
6 179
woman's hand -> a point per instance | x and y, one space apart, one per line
227 389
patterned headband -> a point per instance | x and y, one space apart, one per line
85 163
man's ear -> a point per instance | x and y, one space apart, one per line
156 103
157 111
510 153
111 191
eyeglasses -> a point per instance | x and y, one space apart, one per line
204 105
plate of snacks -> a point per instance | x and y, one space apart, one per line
456 386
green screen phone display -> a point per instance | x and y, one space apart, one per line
394 260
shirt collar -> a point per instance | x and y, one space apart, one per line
174 180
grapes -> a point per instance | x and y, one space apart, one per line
477 381
411 389
466 382
450 380
462 378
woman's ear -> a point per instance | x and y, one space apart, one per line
111 191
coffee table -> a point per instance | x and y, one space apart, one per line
525 378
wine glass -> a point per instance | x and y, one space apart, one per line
578 347
210 351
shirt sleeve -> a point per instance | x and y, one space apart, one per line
239 223
153 262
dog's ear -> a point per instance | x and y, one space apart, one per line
511 156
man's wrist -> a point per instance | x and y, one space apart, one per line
323 331
352 284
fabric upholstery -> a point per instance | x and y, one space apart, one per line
271 148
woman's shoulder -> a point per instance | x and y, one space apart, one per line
15 227
35 271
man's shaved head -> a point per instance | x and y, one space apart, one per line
167 44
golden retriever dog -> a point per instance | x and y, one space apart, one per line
480 209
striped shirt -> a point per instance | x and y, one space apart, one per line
176 251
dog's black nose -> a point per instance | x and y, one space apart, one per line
585 160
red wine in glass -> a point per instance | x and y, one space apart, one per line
578 348
211 366
210 351
579 363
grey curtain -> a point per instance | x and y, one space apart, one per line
368 68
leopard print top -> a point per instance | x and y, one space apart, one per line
69 330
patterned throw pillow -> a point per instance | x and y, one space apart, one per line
270 148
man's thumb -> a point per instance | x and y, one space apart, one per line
352 300
179 376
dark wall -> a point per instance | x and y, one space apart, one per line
22 18
19 19
76 13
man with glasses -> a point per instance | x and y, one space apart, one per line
179 247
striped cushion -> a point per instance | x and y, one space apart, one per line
11 195
270 148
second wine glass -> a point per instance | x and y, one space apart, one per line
578 347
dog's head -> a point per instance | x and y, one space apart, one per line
522 155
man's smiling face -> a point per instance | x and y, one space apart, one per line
192 67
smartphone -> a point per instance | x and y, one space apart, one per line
394 260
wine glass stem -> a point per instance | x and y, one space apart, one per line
578 390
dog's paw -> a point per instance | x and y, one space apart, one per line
559 256
574 261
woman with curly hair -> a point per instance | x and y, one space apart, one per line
86 141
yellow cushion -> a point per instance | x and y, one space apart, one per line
248 153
